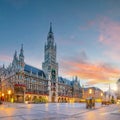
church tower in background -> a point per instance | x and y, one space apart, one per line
50 66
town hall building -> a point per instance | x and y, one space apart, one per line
21 82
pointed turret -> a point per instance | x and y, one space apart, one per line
15 58
21 51
50 37
50 31
21 56
15 55
3 66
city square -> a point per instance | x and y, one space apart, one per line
58 111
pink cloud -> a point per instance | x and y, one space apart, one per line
110 32
5 58
88 25
110 37
94 73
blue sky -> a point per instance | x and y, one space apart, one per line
86 33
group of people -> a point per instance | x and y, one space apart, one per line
90 102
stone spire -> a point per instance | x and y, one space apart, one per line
21 56
3 66
15 58
50 37
50 31
21 51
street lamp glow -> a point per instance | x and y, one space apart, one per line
2 94
9 92
101 94
90 91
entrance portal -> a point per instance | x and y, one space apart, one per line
53 97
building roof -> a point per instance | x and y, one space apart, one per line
76 81
68 82
34 70
64 81
95 88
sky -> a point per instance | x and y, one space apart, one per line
87 34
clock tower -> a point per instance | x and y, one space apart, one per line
50 66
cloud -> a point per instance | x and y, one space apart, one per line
110 37
78 56
94 73
5 58
88 25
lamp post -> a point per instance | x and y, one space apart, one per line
9 92
3 96
101 95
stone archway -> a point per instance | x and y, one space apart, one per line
34 98
19 94
53 97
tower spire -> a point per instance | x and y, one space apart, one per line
21 55
21 51
50 31
50 37
15 56
15 59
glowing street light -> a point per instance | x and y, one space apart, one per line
101 94
2 94
9 92
90 91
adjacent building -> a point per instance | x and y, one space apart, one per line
93 92
118 89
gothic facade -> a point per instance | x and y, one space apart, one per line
26 83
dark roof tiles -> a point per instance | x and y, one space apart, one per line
33 70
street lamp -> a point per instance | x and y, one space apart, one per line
9 92
90 91
101 94
2 98
2 94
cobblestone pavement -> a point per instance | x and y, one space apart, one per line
57 111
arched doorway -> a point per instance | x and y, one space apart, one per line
19 94
53 97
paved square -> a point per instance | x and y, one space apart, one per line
51 111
